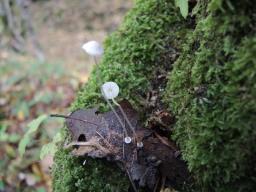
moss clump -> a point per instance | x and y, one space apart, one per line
94 175
135 51
212 92
133 55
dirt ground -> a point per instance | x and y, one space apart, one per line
29 88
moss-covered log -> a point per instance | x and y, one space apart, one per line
210 61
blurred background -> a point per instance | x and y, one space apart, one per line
42 66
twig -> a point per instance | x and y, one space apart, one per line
105 140
163 183
166 142
89 143
67 117
123 148
10 22
157 182
30 29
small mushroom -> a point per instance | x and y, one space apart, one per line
93 48
127 140
139 144
110 90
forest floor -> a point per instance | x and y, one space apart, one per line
29 88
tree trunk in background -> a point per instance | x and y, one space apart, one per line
16 25
202 71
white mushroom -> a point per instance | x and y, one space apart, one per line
110 90
93 48
140 144
127 140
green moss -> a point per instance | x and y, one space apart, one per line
212 93
132 56
211 90
135 51
70 175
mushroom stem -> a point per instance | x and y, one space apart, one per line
97 70
95 60
130 178
114 111
126 119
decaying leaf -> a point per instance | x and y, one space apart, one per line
100 135
91 148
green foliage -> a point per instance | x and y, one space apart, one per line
183 5
1 25
40 189
212 93
1 185
51 147
32 128
6 137
28 88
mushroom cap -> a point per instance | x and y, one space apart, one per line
127 140
110 90
140 144
93 48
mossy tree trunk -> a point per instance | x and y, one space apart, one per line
202 69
